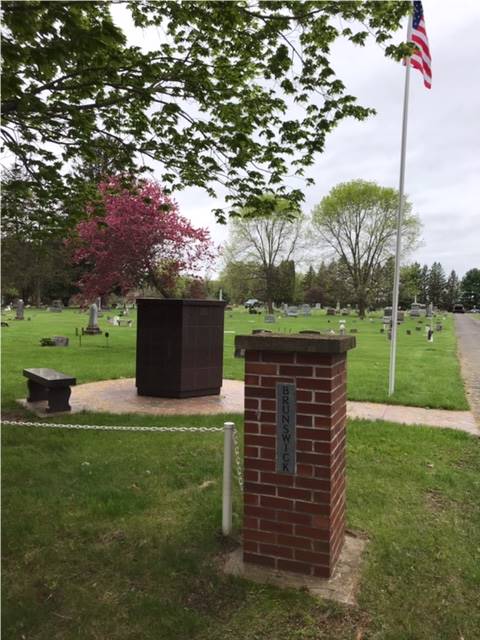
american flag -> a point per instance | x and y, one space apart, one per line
420 59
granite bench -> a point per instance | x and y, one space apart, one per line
50 385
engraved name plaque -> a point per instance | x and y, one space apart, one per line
286 424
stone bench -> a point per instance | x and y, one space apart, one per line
50 385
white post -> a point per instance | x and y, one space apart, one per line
227 478
396 277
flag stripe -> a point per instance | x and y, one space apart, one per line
421 59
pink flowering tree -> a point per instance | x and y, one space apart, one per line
134 236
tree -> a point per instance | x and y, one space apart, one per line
358 221
436 284
424 283
266 241
471 288
410 284
134 237
452 291
240 281
212 103
284 287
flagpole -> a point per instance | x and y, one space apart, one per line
396 277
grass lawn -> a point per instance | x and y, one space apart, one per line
116 535
428 374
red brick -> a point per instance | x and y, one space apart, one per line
261 368
278 356
318 459
262 465
292 541
266 416
271 381
323 546
256 559
311 557
304 519
322 572
304 396
251 403
250 523
290 565
279 527
324 397
259 392
268 429
294 370
311 507
251 415
250 427
304 421
253 356
311 483
249 499
313 434
276 503
259 441
267 454
250 545
305 470
296 494
259 512
323 359
251 475
276 551
256 487
313 408
277 478
304 445
321 522
251 452
268 405
258 536
315 384
324 372
311 532
252 380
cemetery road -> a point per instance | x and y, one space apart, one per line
468 334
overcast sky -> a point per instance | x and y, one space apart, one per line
443 150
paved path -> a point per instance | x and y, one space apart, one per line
468 334
120 396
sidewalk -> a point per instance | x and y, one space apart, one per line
120 396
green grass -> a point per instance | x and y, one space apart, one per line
125 547
428 374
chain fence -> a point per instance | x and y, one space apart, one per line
97 427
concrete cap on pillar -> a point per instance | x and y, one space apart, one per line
295 342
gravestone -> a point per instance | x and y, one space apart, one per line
438 327
418 328
20 310
60 341
430 335
409 333
429 313
93 328
270 319
330 311
306 311
318 305
342 327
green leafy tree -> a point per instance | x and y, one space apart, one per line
410 284
212 103
424 284
471 288
452 291
358 221
241 281
437 283
285 282
266 241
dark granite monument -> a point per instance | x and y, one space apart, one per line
179 347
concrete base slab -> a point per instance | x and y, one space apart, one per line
341 587
40 409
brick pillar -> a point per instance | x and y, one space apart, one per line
294 515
